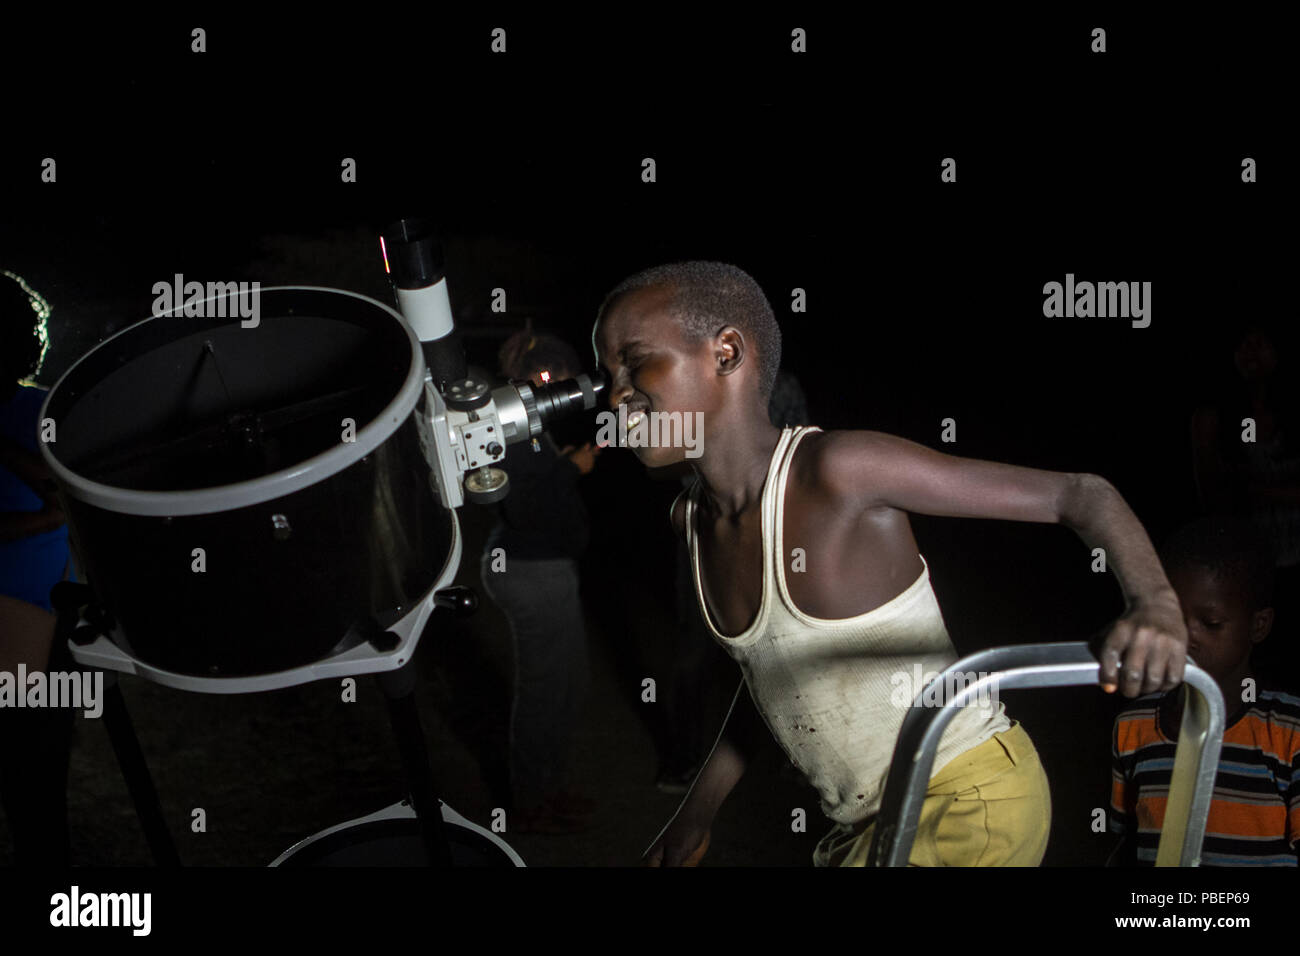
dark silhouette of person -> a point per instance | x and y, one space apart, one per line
529 569
1257 476
34 556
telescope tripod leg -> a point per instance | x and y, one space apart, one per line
68 598
399 690
135 771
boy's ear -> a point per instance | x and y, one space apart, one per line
731 349
1261 624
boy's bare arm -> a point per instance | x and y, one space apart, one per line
732 753
725 765
737 741
743 731
30 469
872 469
28 466
24 524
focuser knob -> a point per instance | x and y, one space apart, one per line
458 598
467 394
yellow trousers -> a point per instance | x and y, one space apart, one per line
989 806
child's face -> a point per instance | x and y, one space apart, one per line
1221 628
652 368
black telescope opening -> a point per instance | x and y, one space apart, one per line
177 403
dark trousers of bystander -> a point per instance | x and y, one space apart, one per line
541 601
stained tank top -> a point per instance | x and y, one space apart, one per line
834 692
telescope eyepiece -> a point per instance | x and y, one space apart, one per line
569 396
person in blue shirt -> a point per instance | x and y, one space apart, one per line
34 556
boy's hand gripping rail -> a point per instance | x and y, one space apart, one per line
1196 759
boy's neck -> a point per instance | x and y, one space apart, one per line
1231 689
1233 704
734 466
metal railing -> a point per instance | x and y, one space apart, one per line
1196 758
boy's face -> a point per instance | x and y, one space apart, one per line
652 368
1221 628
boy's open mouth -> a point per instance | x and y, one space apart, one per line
634 416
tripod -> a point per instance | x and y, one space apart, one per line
87 627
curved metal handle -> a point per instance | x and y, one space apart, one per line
1196 759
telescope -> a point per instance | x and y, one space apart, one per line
256 505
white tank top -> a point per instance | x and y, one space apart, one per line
834 692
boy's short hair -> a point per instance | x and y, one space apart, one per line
1228 546
527 352
708 296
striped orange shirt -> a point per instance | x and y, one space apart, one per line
1254 817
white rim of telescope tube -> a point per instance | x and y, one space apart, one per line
242 494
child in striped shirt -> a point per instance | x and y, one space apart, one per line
1224 580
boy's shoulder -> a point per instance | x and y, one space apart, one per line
833 461
837 460
1281 710
1275 699
1137 723
1142 704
